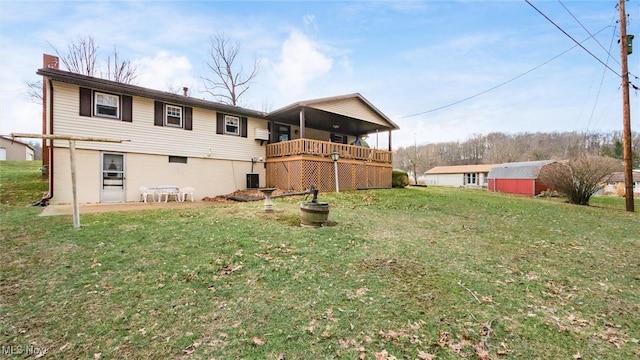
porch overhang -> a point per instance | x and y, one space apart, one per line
327 121
348 114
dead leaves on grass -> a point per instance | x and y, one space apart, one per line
229 269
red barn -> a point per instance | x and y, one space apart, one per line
518 178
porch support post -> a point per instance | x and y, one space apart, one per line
390 140
272 135
302 123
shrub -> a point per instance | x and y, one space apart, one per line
399 179
579 178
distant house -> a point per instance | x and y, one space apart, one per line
518 177
458 176
15 150
615 183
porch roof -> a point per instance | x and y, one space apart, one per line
349 114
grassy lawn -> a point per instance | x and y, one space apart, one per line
403 274
21 182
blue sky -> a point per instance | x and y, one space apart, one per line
406 57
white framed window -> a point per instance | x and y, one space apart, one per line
471 178
173 115
231 125
107 105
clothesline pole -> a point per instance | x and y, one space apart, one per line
72 157
74 189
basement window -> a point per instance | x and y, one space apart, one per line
107 105
178 159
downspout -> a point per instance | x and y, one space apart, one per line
49 195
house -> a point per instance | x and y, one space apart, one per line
15 150
458 176
172 139
615 184
518 177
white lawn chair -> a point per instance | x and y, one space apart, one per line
145 192
187 191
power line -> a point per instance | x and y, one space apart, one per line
595 103
501 84
570 37
588 32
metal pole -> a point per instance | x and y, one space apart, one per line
626 112
76 212
335 170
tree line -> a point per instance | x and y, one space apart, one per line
497 148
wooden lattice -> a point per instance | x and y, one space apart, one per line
300 173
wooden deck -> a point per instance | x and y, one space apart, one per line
302 163
324 149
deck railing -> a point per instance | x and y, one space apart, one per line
325 148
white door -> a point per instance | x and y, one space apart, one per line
113 176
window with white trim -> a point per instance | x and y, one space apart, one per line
231 125
471 178
107 105
173 115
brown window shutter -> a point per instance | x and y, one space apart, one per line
243 126
127 108
85 101
188 118
159 113
220 123
344 139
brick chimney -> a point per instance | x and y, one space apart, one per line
48 62
185 91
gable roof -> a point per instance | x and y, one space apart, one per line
351 113
13 140
460 169
134 90
619 176
518 170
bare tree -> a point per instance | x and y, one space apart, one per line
230 81
81 56
579 178
37 149
34 91
122 71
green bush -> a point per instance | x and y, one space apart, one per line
399 179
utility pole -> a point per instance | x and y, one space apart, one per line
626 111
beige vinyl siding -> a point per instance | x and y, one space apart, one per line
210 177
351 107
314 134
145 137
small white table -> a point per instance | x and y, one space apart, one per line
166 191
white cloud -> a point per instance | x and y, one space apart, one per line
300 63
165 71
